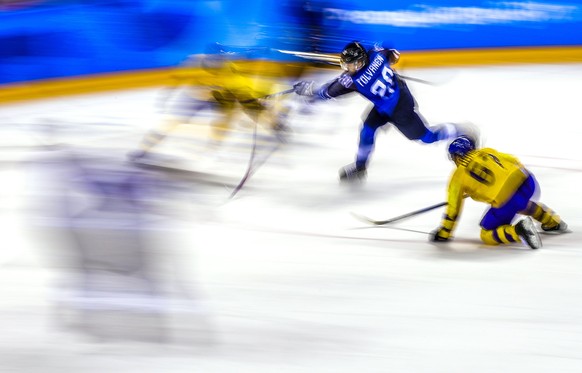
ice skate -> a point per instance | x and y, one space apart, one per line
561 227
352 172
526 230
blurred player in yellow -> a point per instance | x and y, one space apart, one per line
500 180
217 82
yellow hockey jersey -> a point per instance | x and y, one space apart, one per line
485 175
227 76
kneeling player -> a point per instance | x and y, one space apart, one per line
501 181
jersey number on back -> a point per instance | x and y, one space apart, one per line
482 173
383 83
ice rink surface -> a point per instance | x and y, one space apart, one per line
282 278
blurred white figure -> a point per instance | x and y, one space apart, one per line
117 242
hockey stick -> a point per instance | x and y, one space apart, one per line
398 218
287 91
247 174
418 80
334 60
252 166
320 57
401 217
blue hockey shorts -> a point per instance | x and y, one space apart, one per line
503 215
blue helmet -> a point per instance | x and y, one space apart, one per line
460 146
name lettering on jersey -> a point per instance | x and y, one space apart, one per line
345 80
371 70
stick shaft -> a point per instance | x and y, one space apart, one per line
401 217
411 214
404 216
287 91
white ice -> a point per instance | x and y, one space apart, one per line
282 278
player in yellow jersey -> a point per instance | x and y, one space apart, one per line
500 180
216 82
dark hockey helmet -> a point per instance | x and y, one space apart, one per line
460 147
353 57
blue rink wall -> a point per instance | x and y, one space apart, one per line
64 38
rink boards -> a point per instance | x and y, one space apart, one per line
159 77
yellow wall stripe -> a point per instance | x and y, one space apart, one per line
498 56
52 88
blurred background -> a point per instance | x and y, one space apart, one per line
60 38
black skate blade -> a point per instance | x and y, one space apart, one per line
555 233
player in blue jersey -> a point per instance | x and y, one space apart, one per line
369 73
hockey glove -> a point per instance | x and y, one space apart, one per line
441 234
304 88
394 56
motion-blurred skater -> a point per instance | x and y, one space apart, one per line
226 90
